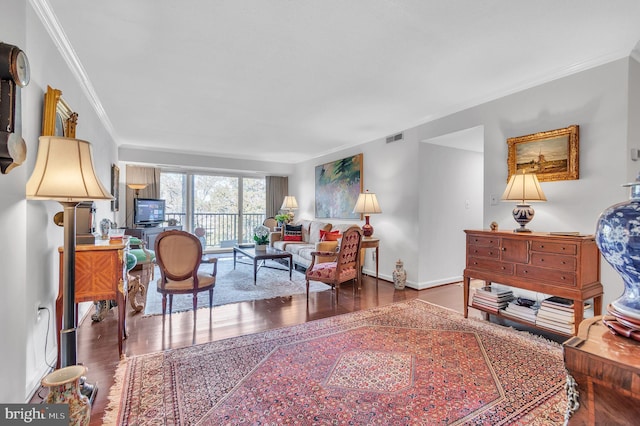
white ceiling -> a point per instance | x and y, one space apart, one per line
289 80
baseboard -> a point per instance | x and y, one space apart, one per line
434 283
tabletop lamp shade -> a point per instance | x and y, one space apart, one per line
523 187
289 203
64 172
367 204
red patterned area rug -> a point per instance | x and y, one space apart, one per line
408 363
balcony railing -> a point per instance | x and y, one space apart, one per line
221 229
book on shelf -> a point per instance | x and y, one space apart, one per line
501 301
551 325
551 316
524 312
560 302
495 292
558 308
518 316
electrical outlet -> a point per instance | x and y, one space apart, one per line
373 255
38 311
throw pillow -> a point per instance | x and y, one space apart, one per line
293 233
333 236
329 235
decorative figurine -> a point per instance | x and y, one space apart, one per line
494 226
105 227
399 276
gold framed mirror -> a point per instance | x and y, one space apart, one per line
58 119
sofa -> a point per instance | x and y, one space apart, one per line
311 240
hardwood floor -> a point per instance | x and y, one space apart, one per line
97 342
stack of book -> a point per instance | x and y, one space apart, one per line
492 299
522 309
556 313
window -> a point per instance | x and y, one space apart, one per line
227 207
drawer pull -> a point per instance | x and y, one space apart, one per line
503 248
525 271
563 278
541 260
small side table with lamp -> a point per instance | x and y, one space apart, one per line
366 205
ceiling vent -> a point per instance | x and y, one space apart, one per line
395 138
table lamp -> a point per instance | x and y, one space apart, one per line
289 204
367 204
64 172
523 187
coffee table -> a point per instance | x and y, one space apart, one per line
260 257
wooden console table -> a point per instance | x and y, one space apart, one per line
558 265
100 275
606 370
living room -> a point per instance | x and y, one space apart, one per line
422 186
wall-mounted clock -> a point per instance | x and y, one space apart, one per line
14 64
14 74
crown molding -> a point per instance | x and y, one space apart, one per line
48 18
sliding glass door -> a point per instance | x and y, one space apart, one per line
227 208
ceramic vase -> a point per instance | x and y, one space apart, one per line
261 247
64 388
618 238
399 276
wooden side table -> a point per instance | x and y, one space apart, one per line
370 242
606 370
100 275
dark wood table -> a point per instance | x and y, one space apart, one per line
606 370
259 258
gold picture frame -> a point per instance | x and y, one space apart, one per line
551 155
58 119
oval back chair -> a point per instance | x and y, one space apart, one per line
179 255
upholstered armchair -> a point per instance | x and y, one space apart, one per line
179 255
345 265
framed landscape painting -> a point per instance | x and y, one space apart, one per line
551 155
338 185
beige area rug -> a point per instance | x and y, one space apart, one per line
408 363
236 285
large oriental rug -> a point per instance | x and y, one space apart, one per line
408 363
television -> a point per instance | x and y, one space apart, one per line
148 212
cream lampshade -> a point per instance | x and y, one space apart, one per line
137 187
64 172
367 204
523 187
289 204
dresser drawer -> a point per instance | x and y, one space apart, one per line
484 241
560 248
493 252
564 278
565 263
490 265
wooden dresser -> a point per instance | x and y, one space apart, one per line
558 265
100 275
606 370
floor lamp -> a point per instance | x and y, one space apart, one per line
64 172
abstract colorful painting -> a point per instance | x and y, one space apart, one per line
338 185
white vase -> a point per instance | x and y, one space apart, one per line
261 247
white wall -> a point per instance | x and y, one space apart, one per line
30 259
451 200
